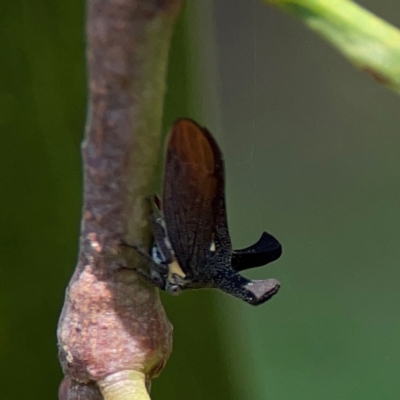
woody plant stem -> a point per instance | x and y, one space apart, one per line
113 334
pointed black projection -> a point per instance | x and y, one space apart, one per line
192 247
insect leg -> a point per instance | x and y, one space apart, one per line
161 239
156 275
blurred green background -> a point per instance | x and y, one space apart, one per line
312 153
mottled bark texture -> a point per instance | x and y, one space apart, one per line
113 328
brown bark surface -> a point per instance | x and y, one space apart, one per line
111 321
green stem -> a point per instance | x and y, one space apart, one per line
369 42
124 385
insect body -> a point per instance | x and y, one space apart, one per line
192 247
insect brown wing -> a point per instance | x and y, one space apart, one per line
221 238
189 195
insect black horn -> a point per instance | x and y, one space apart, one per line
262 290
254 292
